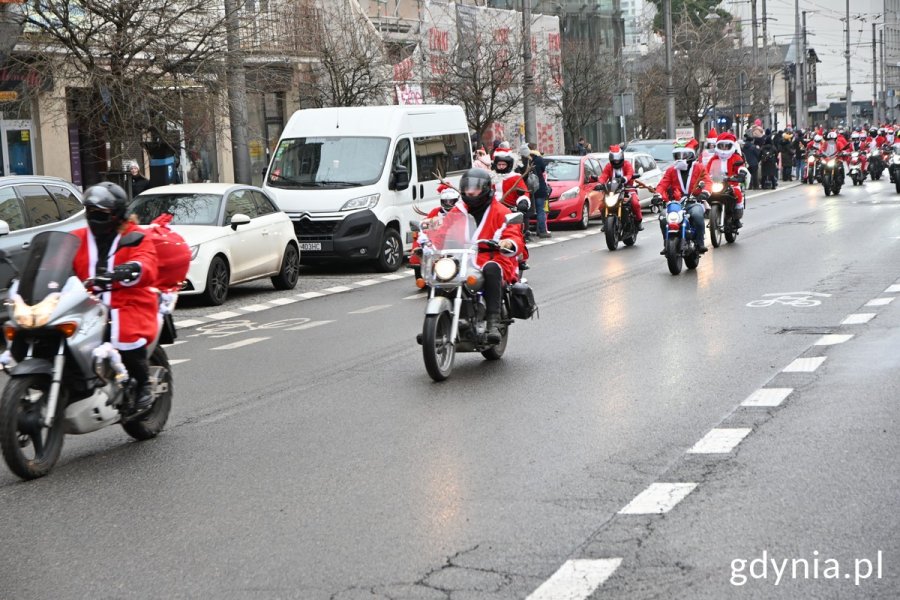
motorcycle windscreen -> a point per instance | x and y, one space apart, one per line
48 265
456 231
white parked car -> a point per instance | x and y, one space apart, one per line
236 234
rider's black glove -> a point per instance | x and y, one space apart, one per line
126 272
656 200
704 195
601 187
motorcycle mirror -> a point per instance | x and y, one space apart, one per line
515 218
414 225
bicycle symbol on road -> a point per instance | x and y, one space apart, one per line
795 299
227 328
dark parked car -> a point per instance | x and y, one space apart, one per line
30 204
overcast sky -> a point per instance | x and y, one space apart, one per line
826 35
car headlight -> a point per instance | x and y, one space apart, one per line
37 315
612 200
831 163
674 217
717 187
569 194
362 202
195 250
445 269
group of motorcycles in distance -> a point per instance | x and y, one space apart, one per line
831 171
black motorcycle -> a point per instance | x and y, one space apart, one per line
723 212
832 174
876 164
619 222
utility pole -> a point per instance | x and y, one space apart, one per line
753 19
874 79
237 94
768 76
849 119
799 81
670 84
528 81
883 81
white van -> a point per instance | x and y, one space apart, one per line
349 177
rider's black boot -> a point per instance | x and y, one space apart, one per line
492 329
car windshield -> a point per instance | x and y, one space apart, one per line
660 151
186 209
328 162
563 170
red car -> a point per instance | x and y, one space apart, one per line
572 197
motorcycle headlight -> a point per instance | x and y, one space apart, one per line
362 202
831 163
717 187
674 217
445 269
569 194
612 200
30 317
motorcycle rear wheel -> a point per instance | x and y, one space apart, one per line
692 261
612 233
21 425
715 225
897 185
149 424
673 256
438 349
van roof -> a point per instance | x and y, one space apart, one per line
376 120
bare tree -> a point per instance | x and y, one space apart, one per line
482 73
351 69
650 99
128 64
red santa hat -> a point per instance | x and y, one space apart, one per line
727 137
615 152
713 134
443 186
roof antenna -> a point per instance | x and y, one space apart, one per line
337 117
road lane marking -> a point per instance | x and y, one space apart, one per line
176 342
309 325
337 289
658 499
415 296
577 236
805 365
879 302
366 282
893 289
369 309
563 239
255 307
720 441
308 295
242 343
283 301
767 397
188 323
858 319
832 339
177 361
576 579
392 276
227 314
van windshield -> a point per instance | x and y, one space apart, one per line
328 162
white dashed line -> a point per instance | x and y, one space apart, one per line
576 579
227 314
858 319
767 397
308 295
255 307
805 365
177 342
415 297
242 343
577 236
367 282
562 239
369 309
893 289
178 361
720 441
283 301
309 325
393 277
832 339
659 498
188 323
337 289
879 302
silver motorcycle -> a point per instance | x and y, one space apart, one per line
64 377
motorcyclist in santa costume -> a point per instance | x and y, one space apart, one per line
448 197
619 167
728 163
709 146
113 246
858 144
683 179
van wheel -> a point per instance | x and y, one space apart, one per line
390 253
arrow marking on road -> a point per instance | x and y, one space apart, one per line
576 579
658 499
241 343
767 397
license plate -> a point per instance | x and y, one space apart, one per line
311 246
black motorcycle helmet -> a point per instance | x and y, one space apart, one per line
616 157
476 188
105 206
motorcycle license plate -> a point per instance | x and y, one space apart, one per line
314 246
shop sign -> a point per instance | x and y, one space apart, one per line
7 96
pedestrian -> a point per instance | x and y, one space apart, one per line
768 160
786 150
541 191
799 148
139 183
751 156
757 132
581 148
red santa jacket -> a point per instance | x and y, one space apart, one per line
134 306
492 226
510 187
672 182
627 171
735 162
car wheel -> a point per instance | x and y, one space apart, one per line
585 216
217 280
390 253
290 269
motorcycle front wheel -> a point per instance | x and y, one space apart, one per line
149 424
716 220
438 349
30 449
612 233
673 256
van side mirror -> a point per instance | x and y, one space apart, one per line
515 218
399 179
